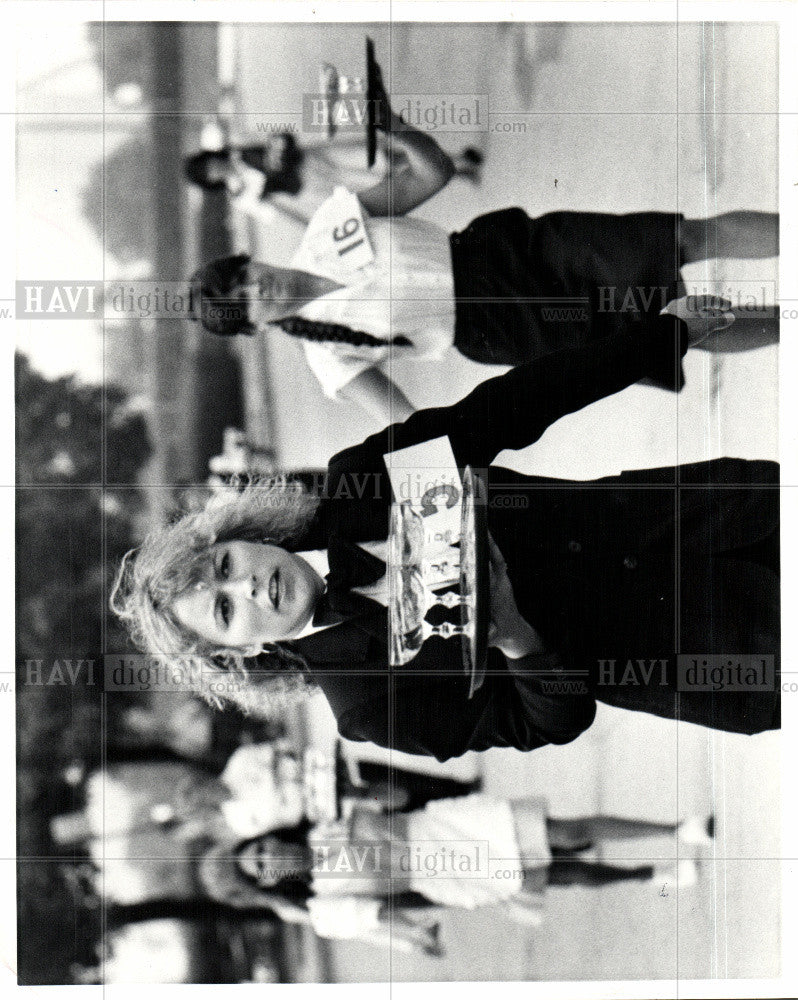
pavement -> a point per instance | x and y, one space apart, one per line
616 118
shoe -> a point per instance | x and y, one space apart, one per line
670 876
433 946
473 156
686 873
698 831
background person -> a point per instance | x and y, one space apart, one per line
370 285
253 174
341 876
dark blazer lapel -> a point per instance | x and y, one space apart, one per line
340 644
362 619
350 565
373 623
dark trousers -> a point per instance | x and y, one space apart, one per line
528 287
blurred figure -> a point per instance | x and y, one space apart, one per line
260 789
253 174
269 167
370 284
339 875
183 726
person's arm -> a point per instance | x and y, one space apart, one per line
344 375
342 917
525 703
418 169
380 396
527 700
515 409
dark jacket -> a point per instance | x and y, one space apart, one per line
570 550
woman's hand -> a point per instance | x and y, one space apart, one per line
703 314
509 632
418 173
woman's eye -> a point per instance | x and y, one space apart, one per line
225 609
224 566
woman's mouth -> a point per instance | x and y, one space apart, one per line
274 589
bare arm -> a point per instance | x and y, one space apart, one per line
380 396
419 168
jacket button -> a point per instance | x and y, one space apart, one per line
630 562
574 547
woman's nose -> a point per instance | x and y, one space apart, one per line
246 585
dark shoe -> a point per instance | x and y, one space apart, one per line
473 156
433 944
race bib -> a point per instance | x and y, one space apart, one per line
426 476
336 237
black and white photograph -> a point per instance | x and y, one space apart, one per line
402 507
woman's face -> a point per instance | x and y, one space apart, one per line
272 292
268 861
252 594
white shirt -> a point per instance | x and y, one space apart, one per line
317 559
397 279
322 170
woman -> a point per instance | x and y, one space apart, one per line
253 174
369 286
283 588
370 872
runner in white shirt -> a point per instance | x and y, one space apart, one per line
394 280
369 285
355 244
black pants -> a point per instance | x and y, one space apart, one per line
527 287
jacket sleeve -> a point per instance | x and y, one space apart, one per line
514 410
525 704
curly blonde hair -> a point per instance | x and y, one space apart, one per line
175 557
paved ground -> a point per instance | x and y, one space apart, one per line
600 109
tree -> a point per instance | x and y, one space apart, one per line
64 562
111 200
